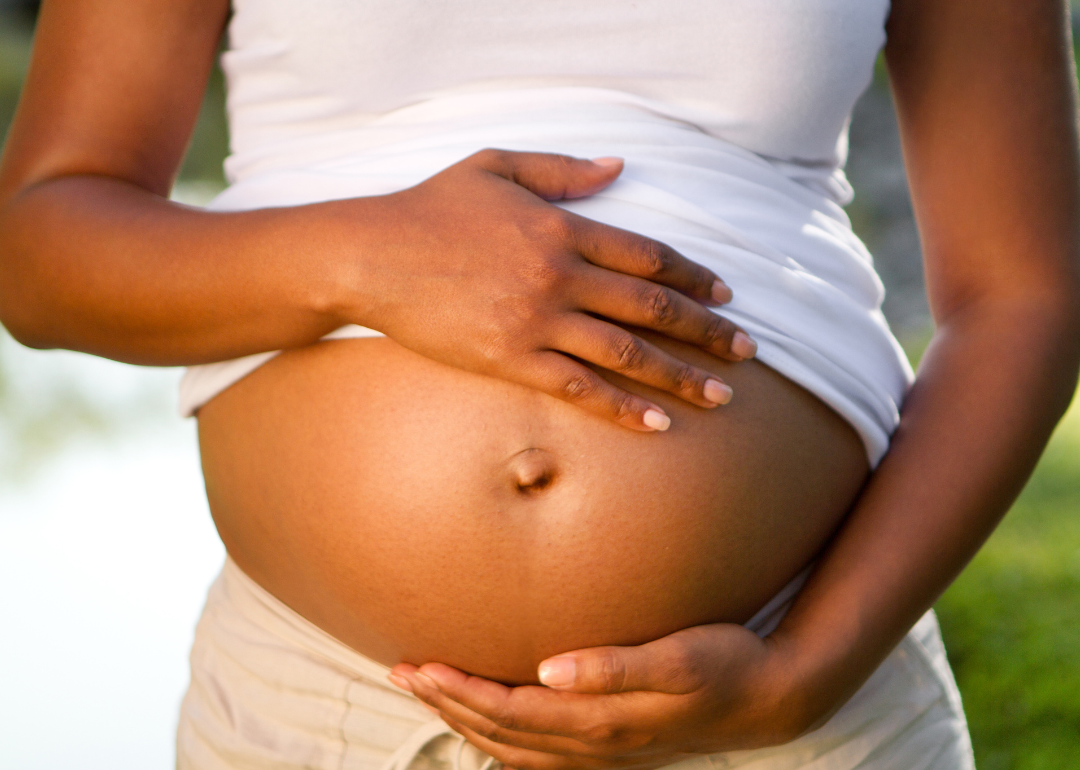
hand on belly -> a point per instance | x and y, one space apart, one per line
421 513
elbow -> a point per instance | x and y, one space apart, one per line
21 311
1053 317
1035 320
1042 307
1060 317
26 338
1049 321
21 325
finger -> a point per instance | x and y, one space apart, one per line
522 758
550 176
403 683
614 348
557 375
653 306
528 759
549 743
667 665
508 713
633 254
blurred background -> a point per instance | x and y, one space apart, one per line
107 548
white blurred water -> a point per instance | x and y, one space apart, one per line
106 551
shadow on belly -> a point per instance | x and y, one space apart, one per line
418 512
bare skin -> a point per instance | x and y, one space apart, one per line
172 285
94 259
986 96
395 501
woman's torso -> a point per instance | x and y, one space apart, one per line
418 512
776 77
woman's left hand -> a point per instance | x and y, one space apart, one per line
700 690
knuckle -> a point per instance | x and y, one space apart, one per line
686 378
602 735
722 331
623 406
553 224
629 352
566 161
489 731
504 717
611 674
680 656
660 306
503 344
681 667
489 155
656 260
704 278
550 278
580 387
714 328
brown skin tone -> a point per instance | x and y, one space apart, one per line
86 164
986 97
395 502
986 100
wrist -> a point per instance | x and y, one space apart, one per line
347 282
806 674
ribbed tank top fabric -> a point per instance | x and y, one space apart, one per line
771 225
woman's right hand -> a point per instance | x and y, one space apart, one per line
478 270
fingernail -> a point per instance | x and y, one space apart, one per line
721 292
427 680
401 682
716 391
607 161
655 419
743 346
558 672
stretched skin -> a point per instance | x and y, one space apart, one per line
986 96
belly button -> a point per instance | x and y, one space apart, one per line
532 470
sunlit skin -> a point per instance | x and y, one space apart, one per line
93 258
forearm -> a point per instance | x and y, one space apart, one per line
99 265
991 387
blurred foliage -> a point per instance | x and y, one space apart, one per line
15 31
47 403
210 140
31 433
1011 621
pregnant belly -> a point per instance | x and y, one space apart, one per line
420 513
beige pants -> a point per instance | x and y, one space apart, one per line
271 690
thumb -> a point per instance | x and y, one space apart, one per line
661 666
552 177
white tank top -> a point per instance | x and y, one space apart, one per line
731 114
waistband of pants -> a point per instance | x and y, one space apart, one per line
270 690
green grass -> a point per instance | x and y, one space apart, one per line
1012 622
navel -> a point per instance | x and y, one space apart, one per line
532 470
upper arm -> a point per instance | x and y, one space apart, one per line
114 88
985 95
